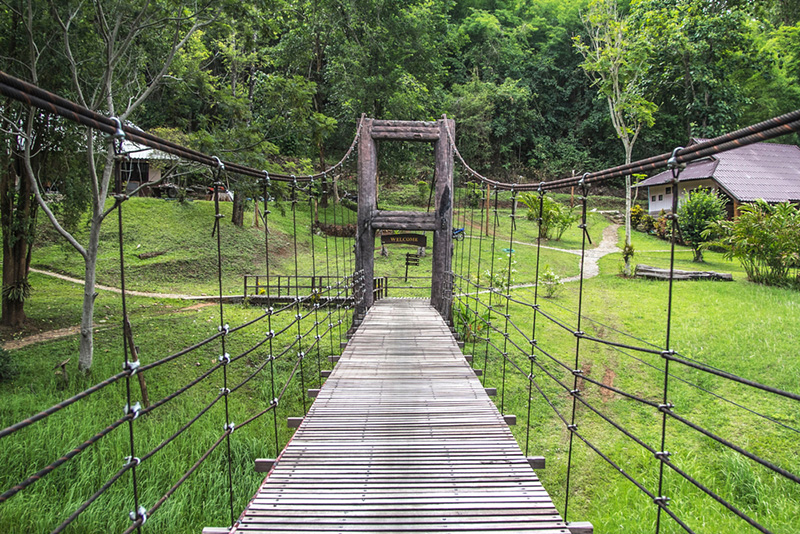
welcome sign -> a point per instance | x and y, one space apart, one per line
417 240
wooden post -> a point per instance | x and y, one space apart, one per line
442 258
488 204
367 202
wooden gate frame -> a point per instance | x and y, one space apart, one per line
440 221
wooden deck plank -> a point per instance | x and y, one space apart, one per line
402 437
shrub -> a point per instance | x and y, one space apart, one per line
500 278
637 214
8 366
662 226
556 217
647 224
550 282
700 208
765 239
471 324
424 190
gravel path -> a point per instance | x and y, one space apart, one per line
608 245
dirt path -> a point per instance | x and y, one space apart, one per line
114 289
75 330
608 245
42 336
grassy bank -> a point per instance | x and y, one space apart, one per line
740 327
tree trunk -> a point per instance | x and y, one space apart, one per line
237 218
324 193
86 347
18 211
628 156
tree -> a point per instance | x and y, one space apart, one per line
701 55
614 58
35 136
698 210
116 54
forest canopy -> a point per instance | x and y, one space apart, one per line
282 82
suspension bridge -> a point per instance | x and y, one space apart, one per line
402 435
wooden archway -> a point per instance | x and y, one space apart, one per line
439 221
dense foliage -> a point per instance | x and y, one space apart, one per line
283 83
766 239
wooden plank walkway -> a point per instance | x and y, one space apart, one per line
402 438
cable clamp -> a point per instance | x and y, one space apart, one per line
318 337
225 359
531 377
131 366
274 402
532 357
224 391
662 501
298 337
672 162
141 512
572 428
269 311
666 407
229 428
270 334
667 353
534 342
301 355
119 133
579 333
132 460
226 329
661 455
134 410
575 392
298 316
577 372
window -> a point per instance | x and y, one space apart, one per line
660 197
669 190
653 199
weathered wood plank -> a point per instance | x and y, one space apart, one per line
580 527
402 437
655 273
263 465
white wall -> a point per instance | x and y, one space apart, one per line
663 200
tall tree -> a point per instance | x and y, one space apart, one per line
614 58
116 54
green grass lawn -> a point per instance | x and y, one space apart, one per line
743 328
